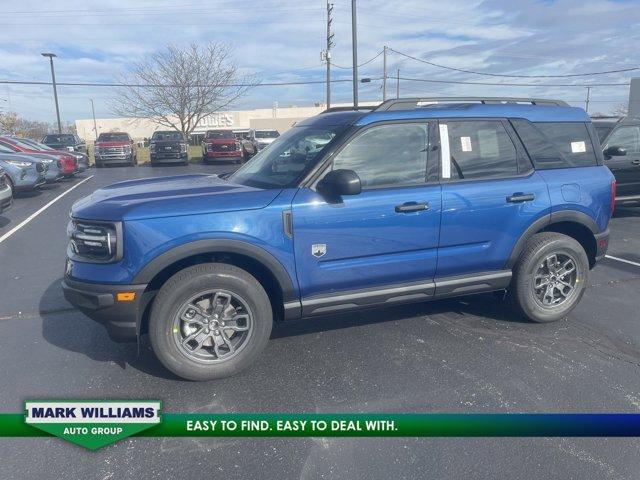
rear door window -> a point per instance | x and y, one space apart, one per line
478 149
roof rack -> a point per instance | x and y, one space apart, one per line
349 109
418 102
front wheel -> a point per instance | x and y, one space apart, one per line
550 277
210 321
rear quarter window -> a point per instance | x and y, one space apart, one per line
557 144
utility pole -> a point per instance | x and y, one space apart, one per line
354 48
398 85
93 112
327 53
384 73
55 91
586 107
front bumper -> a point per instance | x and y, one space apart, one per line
6 198
99 302
168 157
233 155
28 180
602 244
114 158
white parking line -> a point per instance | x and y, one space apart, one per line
623 260
38 212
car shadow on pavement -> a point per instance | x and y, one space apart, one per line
65 327
4 221
626 212
27 193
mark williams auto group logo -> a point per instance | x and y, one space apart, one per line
92 424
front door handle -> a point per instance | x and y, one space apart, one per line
636 162
411 207
521 197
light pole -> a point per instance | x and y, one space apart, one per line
354 47
55 91
93 112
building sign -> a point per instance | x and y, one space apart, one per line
216 120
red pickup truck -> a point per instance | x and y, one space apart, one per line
221 145
115 147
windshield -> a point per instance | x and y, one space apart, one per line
220 134
287 159
267 134
5 149
64 139
167 137
113 137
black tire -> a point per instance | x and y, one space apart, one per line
99 165
522 293
189 282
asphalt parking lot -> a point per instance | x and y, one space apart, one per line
462 355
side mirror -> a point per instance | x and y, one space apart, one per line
340 182
615 152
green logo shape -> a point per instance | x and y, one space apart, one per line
92 424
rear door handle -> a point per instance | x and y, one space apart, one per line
409 207
521 197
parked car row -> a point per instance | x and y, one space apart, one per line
26 164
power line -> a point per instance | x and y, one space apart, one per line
360 65
507 84
168 85
456 69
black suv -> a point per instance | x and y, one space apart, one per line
168 147
620 139
65 141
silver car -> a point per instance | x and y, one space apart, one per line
22 173
52 163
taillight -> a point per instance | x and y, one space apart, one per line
614 187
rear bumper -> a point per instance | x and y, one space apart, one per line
602 244
99 303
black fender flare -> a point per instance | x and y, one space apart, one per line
573 216
197 247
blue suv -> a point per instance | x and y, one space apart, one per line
415 200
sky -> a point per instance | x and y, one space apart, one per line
281 40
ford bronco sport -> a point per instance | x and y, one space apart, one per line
419 199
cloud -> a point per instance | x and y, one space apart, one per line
281 40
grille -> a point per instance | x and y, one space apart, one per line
216 147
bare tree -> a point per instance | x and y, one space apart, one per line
621 110
177 87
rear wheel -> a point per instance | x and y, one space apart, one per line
550 277
210 321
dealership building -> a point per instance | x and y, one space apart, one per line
276 118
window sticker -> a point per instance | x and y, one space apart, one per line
578 147
465 143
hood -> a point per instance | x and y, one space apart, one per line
169 197
17 157
114 143
220 141
30 157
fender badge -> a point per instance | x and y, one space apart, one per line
318 249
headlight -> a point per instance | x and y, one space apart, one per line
208 147
93 241
183 148
127 148
18 163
